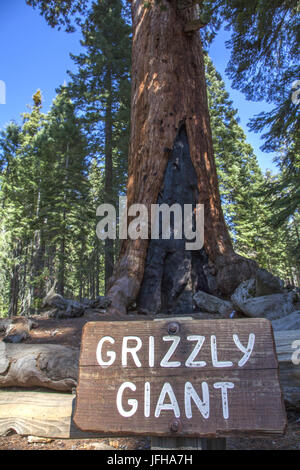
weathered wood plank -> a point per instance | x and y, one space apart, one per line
260 394
262 357
49 414
39 413
132 382
288 354
284 341
185 443
179 443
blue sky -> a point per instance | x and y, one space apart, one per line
33 55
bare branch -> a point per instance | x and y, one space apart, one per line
193 26
184 4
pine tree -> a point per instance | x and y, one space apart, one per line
237 166
44 199
264 64
101 92
248 212
10 141
21 206
65 183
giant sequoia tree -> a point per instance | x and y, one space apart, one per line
170 159
171 156
99 88
169 112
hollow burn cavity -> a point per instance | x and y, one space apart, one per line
173 274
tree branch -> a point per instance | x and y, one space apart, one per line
184 4
193 26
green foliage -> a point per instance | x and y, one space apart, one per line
264 45
44 191
264 64
54 171
101 92
249 214
60 12
57 168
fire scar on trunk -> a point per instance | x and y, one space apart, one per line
172 273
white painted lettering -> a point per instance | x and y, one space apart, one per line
190 360
173 406
214 355
224 386
247 351
147 400
132 402
131 350
151 351
202 405
110 354
165 360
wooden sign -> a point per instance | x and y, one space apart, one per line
196 378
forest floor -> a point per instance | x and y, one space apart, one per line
290 441
68 332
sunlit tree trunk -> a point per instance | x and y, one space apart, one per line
169 96
109 244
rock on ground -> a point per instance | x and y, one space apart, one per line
269 306
39 440
212 304
16 329
267 284
68 308
242 293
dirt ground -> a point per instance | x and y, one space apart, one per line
68 332
290 441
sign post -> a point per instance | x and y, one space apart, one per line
180 379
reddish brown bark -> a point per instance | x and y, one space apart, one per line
168 89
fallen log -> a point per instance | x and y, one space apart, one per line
39 413
68 308
38 365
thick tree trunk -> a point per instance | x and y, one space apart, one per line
14 291
15 283
62 255
109 243
173 274
61 273
168 95
38 266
